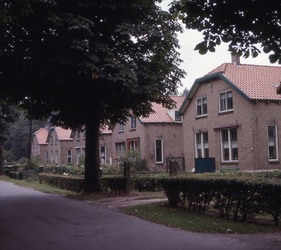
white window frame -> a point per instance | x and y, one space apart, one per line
229 144
275 140
133 122
52 140
120 146
78 153
156 154
202 99
56 139
46 156
103 156
52 156
201 144
226 101
78 136
56 156
69 156
121 127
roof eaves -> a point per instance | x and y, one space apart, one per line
198 81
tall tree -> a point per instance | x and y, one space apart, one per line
19 132
93 61
242 23
8 115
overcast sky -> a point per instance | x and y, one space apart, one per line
196 65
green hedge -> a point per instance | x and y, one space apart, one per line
63 182
244 194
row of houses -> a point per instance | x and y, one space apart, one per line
230 118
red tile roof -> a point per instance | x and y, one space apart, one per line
257 82
160 115
41 135
63 134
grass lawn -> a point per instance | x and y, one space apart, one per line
210 222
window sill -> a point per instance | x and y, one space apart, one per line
225 112
158 163
230 163
133 129
121 131
201 117
274 162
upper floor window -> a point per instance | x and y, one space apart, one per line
202 145
229 145
201 106
272 143
84 133
56 139
133 122
78 135
52 140
121 127
226 101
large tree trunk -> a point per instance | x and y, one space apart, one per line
1 160
92 161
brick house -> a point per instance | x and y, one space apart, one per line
39 144
105 145
232 114
60 146
157 136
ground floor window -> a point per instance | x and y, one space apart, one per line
46 156
202 145
102 154
229 145
159 151
52 156
56 156
272 143
132 144
69 160
78 153
120 146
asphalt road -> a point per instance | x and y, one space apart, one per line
32 220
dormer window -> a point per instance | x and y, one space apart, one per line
226 101
121 127
201 106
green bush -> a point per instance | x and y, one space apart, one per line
81 160
134 157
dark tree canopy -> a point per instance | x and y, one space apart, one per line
243 23
92 61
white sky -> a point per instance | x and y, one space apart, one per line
196 65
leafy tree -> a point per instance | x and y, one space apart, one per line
8 115
19 136
92 61
242 23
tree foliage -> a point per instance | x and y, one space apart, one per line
94 62
244 24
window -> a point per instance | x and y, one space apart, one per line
120 147
201 106
159 151
78 153
46 156
133 122
69 156
121 127
272 143
52 156
202 145
56 139
102 154
56 156
84 133
52 140
229 146
34 143
78 135
226 102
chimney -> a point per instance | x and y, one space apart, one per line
235 60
